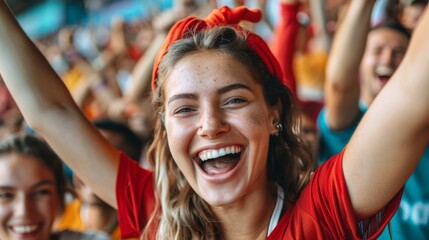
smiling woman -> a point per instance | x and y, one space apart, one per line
32 187
228 163
226 102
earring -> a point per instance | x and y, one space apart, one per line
223 123
279 127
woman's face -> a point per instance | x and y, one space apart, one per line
29 201
218 126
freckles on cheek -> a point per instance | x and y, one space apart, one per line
256 122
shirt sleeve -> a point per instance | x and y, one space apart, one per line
326 200
135 197
283 46
333 142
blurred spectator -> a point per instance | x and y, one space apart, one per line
32 191
88 211
411 12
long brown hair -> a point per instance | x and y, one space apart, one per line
181 213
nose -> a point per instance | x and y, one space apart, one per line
212 124
387 57
23 206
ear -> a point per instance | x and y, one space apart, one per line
275 113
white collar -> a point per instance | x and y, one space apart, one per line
275 217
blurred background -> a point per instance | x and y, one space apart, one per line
40 18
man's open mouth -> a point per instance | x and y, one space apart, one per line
384 74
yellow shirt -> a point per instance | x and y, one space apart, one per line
309 69
71 220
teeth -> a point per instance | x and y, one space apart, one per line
384 71
215 153
222 152
24 229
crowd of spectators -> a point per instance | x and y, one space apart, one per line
321 48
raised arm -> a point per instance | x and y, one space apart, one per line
394 133
142 72
323 38
285 35
49 109
341 86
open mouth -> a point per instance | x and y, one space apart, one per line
384 79
384 74
218 161
25 230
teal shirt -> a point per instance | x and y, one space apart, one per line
412 218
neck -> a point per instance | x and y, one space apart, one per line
366 96
249 217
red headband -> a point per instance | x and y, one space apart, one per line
221 17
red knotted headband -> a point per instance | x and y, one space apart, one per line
221 17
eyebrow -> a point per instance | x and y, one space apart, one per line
234 86
38 184
43 182
221 90
182 96
6 188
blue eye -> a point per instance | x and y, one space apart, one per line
4 196
183 110
236 101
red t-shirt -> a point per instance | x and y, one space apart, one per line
323 210
135 197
